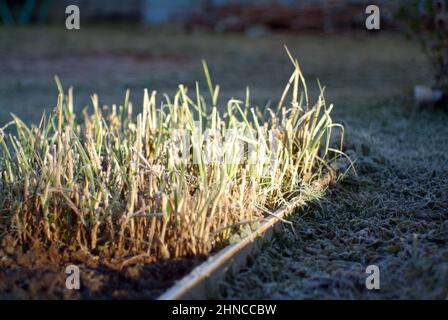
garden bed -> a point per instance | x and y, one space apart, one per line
170 185
362 73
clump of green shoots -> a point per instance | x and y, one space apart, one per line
164 182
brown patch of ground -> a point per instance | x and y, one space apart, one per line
39 273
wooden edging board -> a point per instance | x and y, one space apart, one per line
204 280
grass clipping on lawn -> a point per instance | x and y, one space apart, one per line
129 184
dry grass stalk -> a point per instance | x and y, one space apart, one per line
135 184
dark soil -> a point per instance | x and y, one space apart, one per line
39 273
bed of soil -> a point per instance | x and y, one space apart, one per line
39 273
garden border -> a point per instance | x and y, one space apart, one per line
203 281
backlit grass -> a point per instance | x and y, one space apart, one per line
175 180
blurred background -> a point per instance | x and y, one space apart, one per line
159 44
221 15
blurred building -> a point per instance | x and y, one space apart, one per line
221 15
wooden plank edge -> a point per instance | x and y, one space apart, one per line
203 281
